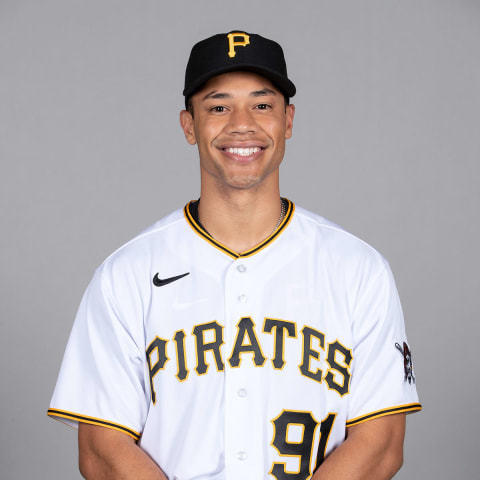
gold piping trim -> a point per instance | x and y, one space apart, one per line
281 227
53 412
411 407
203 234
248 253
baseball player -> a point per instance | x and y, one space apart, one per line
241 337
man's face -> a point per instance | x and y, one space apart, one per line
240 123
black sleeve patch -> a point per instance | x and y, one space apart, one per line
407 362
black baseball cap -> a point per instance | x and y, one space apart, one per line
236 50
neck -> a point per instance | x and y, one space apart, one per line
239 219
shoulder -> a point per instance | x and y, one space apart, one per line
136 256
336 246
328 235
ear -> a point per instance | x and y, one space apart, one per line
186 122
289 114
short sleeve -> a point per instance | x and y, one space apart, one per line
383 381
102 376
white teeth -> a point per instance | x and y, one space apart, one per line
243 152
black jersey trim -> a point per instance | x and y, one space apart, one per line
409 408
276 233
204 234
53 412
200 230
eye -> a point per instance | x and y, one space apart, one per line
263 106
218 109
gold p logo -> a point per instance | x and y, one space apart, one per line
232 43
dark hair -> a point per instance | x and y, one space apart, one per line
189 104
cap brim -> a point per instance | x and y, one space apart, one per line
282 83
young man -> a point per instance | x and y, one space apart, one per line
241 337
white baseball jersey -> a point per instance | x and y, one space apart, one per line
228 366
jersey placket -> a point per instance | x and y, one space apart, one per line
242 455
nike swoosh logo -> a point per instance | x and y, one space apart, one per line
160 282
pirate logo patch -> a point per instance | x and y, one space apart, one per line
407 362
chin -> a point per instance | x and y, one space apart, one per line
243 181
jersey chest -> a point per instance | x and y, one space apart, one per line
260 316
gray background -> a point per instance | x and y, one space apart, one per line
386 143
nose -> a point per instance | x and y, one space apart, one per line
242 121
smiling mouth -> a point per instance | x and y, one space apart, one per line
243 152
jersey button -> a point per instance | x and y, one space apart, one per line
242 456
242 298
241 268
242 393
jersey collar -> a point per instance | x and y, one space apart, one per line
199 230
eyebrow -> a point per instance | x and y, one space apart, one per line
257 93
263 92
215 94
